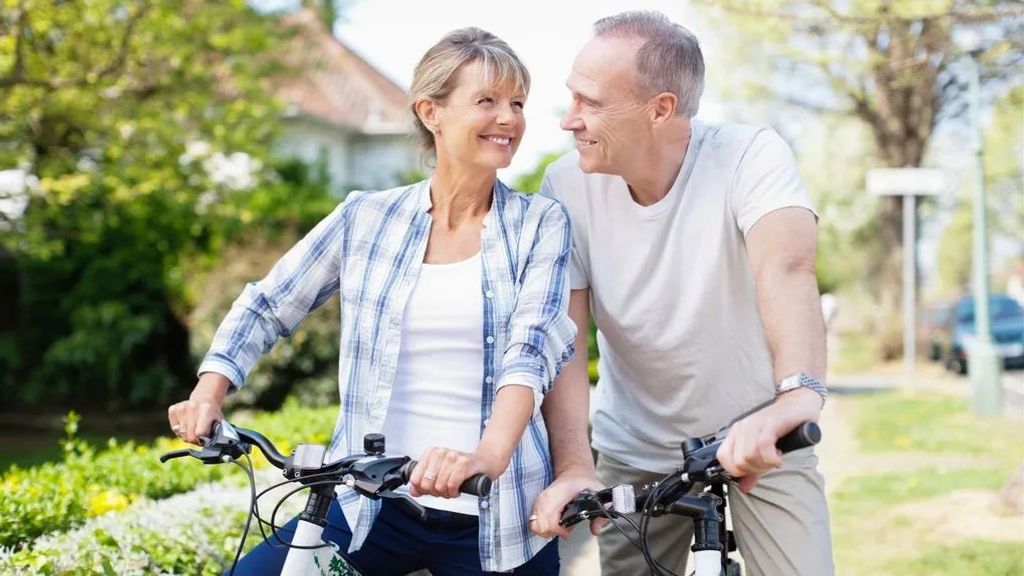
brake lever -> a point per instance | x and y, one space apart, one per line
587 504
406 503
175 454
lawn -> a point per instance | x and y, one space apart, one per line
923 499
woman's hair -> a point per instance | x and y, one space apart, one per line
437 72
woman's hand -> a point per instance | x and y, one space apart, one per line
194 417
441 471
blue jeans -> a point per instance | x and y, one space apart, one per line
446 545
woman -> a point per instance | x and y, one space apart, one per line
454 325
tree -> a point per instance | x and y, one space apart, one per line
890 65
1004 187
145 125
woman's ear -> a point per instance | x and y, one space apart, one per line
427 110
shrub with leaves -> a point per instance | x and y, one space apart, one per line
58 496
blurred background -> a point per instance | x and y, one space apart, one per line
157 155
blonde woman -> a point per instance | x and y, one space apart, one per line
454 325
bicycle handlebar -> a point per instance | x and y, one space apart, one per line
700 466
369 474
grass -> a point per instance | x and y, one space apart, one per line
972 557
934 424
872 534
857 353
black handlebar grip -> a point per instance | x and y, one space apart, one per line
804 435
476 485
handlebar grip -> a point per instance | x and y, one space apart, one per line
804 435
476 485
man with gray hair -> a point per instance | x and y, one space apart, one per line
694 254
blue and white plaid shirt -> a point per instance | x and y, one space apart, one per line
370 249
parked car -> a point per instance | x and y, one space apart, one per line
932 322
1007 329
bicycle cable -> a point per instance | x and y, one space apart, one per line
248 517
656 568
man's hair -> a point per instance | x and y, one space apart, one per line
669 60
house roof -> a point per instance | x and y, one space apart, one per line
328 81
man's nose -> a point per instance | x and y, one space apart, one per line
571 121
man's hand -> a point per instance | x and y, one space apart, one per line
549 505
749 449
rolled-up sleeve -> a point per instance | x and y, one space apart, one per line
541 334
303 279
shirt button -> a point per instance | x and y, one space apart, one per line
488 379
484 504
490 339
487 421
489 294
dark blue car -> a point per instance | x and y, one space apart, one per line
1006 325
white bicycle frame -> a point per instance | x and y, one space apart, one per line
309 561
707 563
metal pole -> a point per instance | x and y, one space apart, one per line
983 360
909 282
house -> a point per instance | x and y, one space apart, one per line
340 110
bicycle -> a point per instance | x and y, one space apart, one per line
372 474
696 490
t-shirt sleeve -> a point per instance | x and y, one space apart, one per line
578 276
766 180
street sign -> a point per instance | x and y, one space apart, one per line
909 181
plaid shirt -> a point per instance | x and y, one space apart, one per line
370 249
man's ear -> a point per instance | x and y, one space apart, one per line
426 109
663 107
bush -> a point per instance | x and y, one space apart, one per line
57 496
195 533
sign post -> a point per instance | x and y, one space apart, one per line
908 183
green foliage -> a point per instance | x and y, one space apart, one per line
1004 188
147 125
199 539
90 482
530 181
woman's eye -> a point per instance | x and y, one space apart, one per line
519 104
485 100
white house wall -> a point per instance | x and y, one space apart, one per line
380 161
353 160
311 141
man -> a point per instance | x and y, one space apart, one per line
694 253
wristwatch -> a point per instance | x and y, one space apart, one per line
801 380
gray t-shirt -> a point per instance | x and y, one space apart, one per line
683 350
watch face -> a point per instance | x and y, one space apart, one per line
789 383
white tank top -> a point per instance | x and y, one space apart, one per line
436 400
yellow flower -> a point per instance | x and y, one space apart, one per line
107 501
